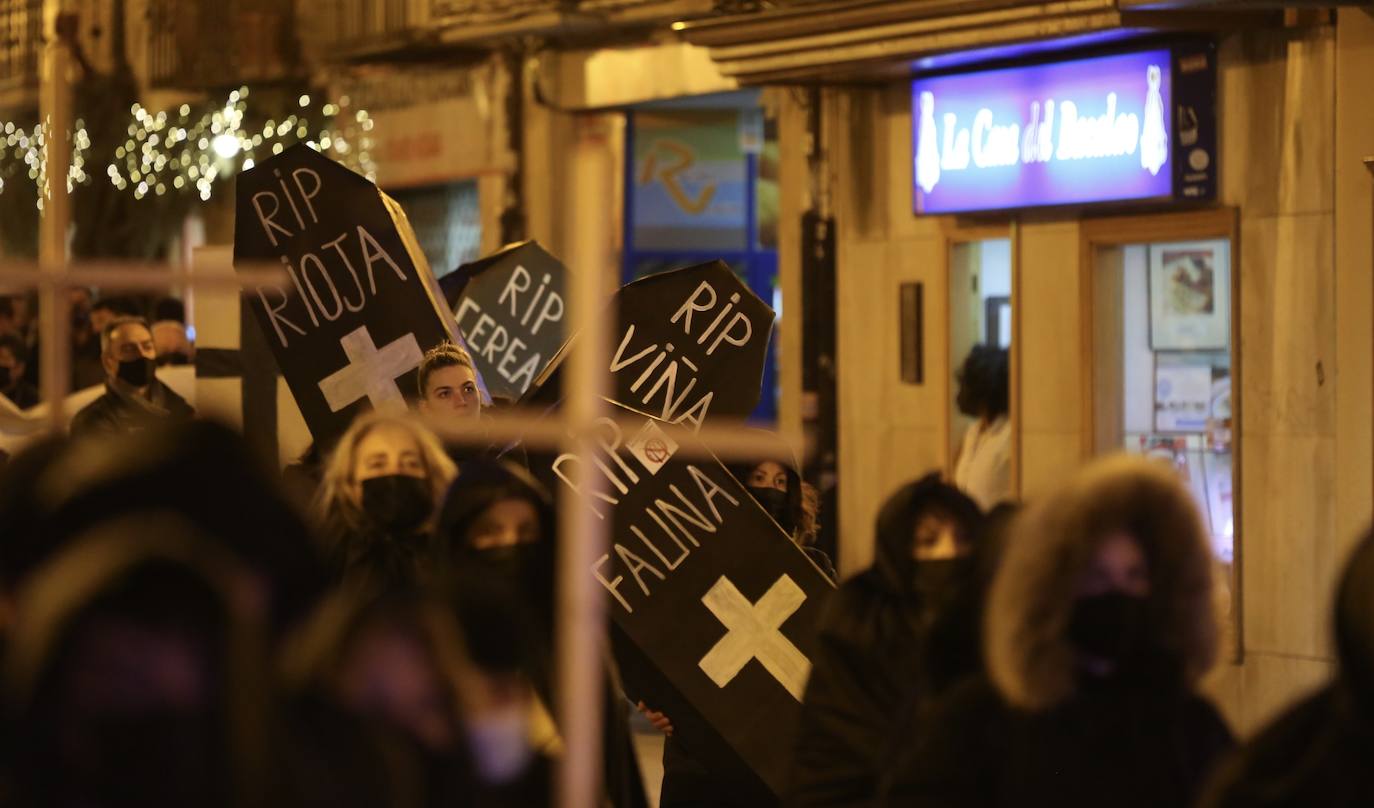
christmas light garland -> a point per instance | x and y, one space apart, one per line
173 153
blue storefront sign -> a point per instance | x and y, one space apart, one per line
1125 127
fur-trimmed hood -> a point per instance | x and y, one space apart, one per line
1029 657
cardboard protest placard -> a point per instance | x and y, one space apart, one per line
688 343
509 307
359 306
714 608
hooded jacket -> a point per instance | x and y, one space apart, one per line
477 578
1316 755
180 720
885 644
1037 730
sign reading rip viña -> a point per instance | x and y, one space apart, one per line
714 606
688 344
358 307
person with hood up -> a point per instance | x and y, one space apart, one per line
495 540
1099 626
1316 754
137 675
376 681
901 630
377 501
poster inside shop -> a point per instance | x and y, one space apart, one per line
1183 392
358 306
509 307
714 607
1190 296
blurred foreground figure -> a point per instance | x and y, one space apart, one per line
58 488
136 676
901 631
376 685
496 542
378 498
1099 626
134 399
1316 755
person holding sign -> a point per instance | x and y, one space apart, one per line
898 632
448 383
378 497
134 399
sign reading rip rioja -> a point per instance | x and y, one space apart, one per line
713 606
509 307
359 306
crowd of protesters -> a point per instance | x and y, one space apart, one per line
180 626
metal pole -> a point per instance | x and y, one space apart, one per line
581 616
55 113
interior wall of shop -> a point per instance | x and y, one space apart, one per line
1290 158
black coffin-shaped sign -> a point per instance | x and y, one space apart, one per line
714 608
509 307
688 343
359 306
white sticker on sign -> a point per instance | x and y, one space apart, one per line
652 447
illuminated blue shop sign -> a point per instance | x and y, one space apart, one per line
1103 129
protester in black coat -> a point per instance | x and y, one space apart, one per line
496 541
1316 755
134 399
136 675
902 629
1099 625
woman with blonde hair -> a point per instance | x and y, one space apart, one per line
377 501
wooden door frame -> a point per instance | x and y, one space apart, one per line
1120 231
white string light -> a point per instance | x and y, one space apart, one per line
173 153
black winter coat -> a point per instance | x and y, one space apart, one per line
1117 743
117 412
885 646
1317 754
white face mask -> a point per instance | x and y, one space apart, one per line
500 744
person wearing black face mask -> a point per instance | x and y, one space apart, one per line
897 633
495 541
1099 626
14 359
377 499
134 399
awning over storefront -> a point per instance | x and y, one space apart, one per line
857 40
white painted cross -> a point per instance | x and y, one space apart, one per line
371 372
755 633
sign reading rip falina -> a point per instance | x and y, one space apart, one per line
713 606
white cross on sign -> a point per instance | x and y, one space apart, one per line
755 633
371 372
